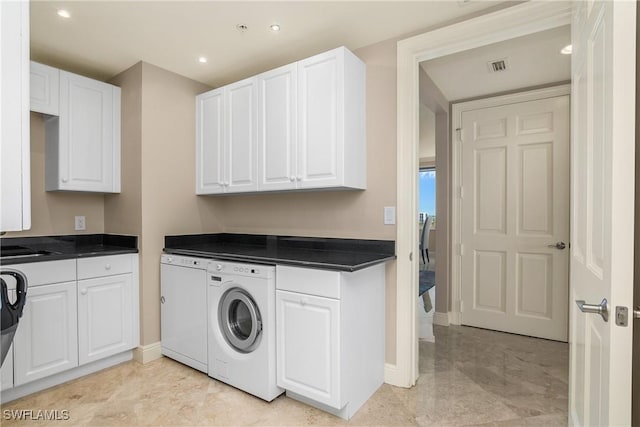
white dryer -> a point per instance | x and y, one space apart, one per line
241 327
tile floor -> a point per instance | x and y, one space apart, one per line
467 377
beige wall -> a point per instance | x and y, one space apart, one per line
427 142
158 176
123 211
52 212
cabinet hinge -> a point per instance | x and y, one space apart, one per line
459 132
461 306
461 192
460 249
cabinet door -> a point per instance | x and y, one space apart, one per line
46 341
321 120
44 89
15 190
105 317
241 126
277 112
6 372
88 151
210 153
308 346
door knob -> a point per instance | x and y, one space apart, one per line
636 313
558 245
601 309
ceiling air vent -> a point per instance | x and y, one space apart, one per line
497 66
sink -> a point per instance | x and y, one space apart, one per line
21 251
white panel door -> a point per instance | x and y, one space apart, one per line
241 136
277 112
89 138
602 234
515 208
46 341
308 346
321 120
105 317
15 154
210 152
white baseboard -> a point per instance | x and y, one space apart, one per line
393 376
441 319
147 353
455 318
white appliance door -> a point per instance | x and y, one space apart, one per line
602 235
240 320
183 314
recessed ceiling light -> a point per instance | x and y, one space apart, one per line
202 60
64 13
275 27
567 50
242 28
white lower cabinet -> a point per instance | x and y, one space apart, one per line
105 323
330 336
6 372
46 341
309 345
77 312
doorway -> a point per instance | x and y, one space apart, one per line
427 223
503 25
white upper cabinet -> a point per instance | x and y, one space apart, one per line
277 113
306 126
45 89
331 121
241 129
15 156
226 126
83 143
210 142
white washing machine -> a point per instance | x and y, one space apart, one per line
241 327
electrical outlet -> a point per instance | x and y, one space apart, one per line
81 223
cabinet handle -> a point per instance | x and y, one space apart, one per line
303 302
292 178
107 267
299 177
83 292
162 300
64 180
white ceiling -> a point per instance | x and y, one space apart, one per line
532 60
103 38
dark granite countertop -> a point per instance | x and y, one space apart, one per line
313 252
19 250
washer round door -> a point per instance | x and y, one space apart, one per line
239 319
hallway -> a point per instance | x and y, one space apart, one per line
468 376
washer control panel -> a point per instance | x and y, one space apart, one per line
185 261
220 268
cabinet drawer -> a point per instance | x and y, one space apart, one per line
47 272
104 266
322 283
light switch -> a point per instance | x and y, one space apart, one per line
81 223
389 215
